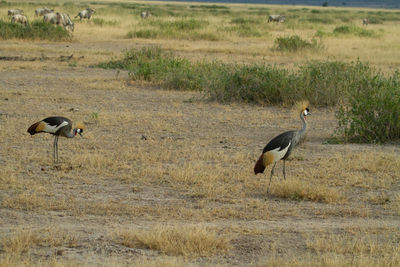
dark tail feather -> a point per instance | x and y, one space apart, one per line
32 129
259 167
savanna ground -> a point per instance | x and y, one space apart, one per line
165 177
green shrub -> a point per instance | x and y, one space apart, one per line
354 30
294 43
342 29
371 112
36 30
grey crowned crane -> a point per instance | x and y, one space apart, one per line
57 126
281 146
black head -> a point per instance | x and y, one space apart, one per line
78 131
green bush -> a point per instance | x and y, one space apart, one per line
36 30
371 112
354 30
294 43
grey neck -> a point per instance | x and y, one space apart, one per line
304 123
70 134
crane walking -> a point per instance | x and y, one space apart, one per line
281 146
57 126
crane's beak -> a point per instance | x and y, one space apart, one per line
81 134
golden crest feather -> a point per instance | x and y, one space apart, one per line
302 105
299 107
80 125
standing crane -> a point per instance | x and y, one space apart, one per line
57 126
281 146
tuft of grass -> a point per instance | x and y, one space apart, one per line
35 30
192 240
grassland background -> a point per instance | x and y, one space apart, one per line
165 178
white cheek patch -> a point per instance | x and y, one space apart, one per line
305 112
54 129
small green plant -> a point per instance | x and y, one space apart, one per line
294 43
94 116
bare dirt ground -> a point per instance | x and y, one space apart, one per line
153 159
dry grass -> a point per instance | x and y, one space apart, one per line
164 178
190 240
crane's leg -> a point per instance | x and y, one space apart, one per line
55 146
54 149
270 178
57 149
284 171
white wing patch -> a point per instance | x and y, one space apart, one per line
54 129
279 154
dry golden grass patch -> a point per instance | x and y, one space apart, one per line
18 245
300 190
186 240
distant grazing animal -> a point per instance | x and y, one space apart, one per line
57 126
50 18
276 18
19 19
280 147
65 21
85 14
365 22
12 12
43 11
61 19
145 14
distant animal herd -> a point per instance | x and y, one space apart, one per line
64 20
